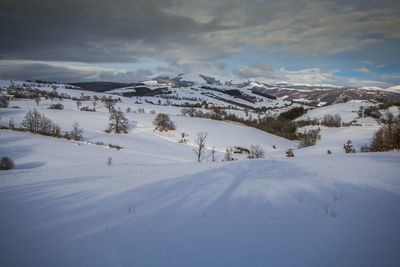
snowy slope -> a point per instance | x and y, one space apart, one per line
155 205
77 211
347 111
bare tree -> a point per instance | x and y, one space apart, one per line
37 123
109 104
332 120
162 122
11 123
78 104
31 121
77 132
213 154
200 142
37 101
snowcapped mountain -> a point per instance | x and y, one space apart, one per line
316 94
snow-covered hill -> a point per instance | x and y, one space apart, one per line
395 89
74 203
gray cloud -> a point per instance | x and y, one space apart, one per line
257 70
196 67
262 71
184 30
62 73
189 33
100 31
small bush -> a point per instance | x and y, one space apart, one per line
6 163
348 147
240 150
86 108
58 106
309 138
256 152
364 148
329 152
183 139
117 147
290 153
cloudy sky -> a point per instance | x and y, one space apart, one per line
344 42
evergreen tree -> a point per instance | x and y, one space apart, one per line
118 122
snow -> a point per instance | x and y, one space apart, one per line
395 89
62 205
373 88
347 111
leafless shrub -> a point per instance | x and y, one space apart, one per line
309 138
290 153
183 139
77 132
213 154
228 155
256 152
364 148
200 143
113 146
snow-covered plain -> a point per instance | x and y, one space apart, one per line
155 205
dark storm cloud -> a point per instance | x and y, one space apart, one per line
42 71
97 31
188 30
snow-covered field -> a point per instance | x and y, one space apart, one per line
63 205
